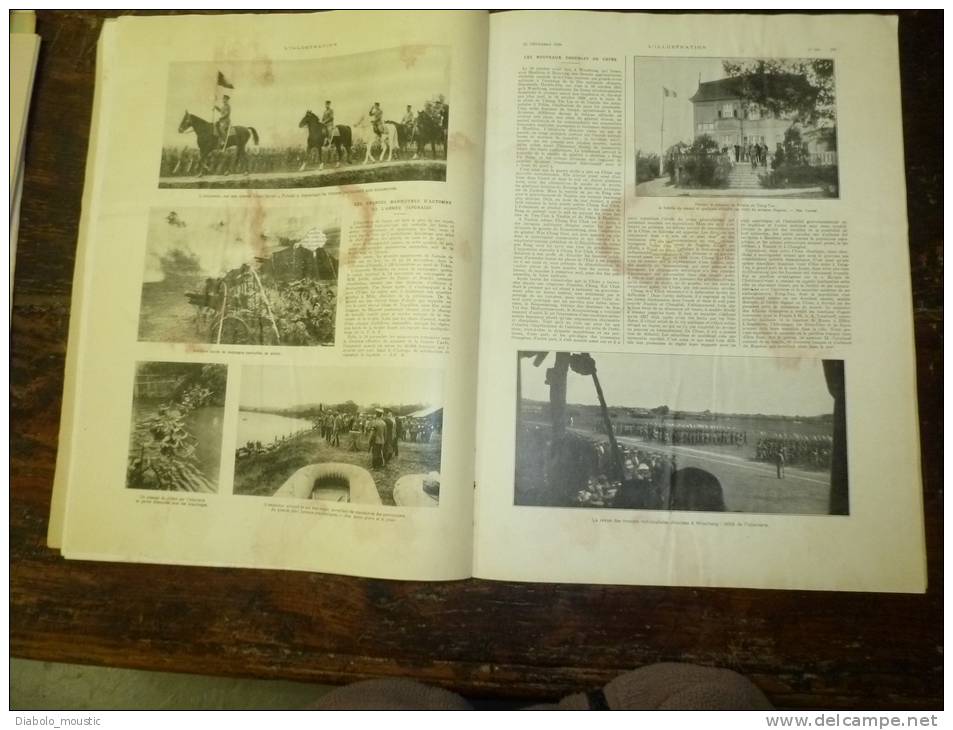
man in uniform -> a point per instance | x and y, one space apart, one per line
327 119
338 429
377 440
224 117
377 118
398 434
389 433
408 124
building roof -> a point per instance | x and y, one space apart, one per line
730 88
715 90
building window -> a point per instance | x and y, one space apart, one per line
728 111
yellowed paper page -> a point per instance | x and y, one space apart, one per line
275 359
696 352
64 453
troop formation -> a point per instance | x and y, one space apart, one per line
689 433
416 130
795 449
427 126
437 109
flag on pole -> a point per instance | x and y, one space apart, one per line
665 92
223 82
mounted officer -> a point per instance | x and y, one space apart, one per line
224 118
408 123
377 118
327 119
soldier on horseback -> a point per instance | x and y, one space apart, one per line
327 119
408 124
225 118
377 118
438 112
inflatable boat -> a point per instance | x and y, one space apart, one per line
331 482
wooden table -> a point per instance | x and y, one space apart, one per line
482 638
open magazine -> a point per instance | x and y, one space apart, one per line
537 296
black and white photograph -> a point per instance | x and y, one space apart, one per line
241 276
737 127
758 435
176 439
361 435
380 116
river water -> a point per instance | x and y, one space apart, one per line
266 427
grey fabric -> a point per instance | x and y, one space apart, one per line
391 694
655 687
676 687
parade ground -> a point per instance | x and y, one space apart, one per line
749 486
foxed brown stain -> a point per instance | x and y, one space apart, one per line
259 63
609 224
724 251
791 363
463 249
410 53
360 200
194 347
266 74
460 142
665 251
256 224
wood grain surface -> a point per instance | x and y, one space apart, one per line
804 649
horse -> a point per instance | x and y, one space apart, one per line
208 141
429 131
389 140
317 134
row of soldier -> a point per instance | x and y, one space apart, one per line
383 429
812 450
188 160
690 433
333 425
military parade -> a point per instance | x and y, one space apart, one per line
589 452
692 433
223 147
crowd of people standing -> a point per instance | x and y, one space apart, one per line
756 153
382 429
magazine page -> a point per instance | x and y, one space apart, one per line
697 356
273 353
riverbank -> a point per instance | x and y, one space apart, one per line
261 475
